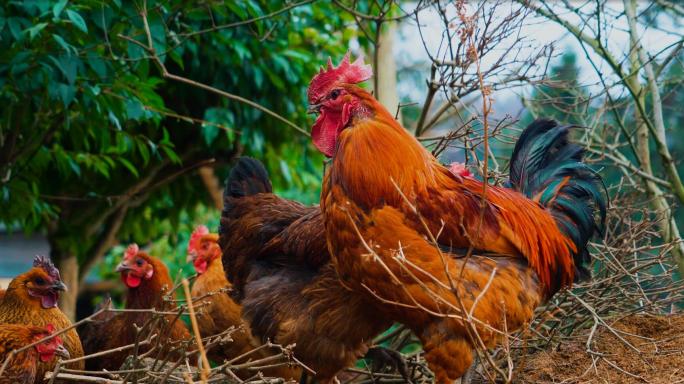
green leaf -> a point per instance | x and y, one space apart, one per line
67 47
66 93
114 120
58 7
101 167
98 65
74 166
209 133
77 19
242 13
171 154
285 169
129 166
68 65
134 109
35 30
176 57
14 24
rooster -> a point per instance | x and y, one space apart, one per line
23 367
275 255
148 281
218 310
398 222
31 299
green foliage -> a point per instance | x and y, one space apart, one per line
90 128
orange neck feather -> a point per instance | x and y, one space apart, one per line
379 139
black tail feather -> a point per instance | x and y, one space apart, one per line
548 168
248 177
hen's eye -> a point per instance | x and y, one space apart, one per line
334 94
40 281
139 262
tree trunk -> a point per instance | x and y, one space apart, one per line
211 183
666 223
67 263
385 85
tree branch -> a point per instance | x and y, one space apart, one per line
656 130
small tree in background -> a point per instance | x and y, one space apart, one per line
96 146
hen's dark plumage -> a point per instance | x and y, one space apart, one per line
275 254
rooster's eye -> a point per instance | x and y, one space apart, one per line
334 94
139 262
40 281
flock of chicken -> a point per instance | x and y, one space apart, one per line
397 238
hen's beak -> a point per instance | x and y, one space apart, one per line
314 109
192 255
59 286
123 266
62 352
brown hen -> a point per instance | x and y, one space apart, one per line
218 312
23 367
31 299
148 281
275 255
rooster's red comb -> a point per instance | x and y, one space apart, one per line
46 265
197 234
131 251
345 72
50 328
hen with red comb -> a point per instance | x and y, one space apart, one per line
23 368
31 299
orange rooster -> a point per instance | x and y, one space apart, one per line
275 255
218 311
398 222
148 281
24 366
31 299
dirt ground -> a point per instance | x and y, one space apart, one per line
659 359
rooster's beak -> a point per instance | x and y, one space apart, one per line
59 286
62 352
314 109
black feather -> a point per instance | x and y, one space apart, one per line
248 177
542 159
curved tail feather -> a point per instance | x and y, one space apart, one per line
248 177
549 169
